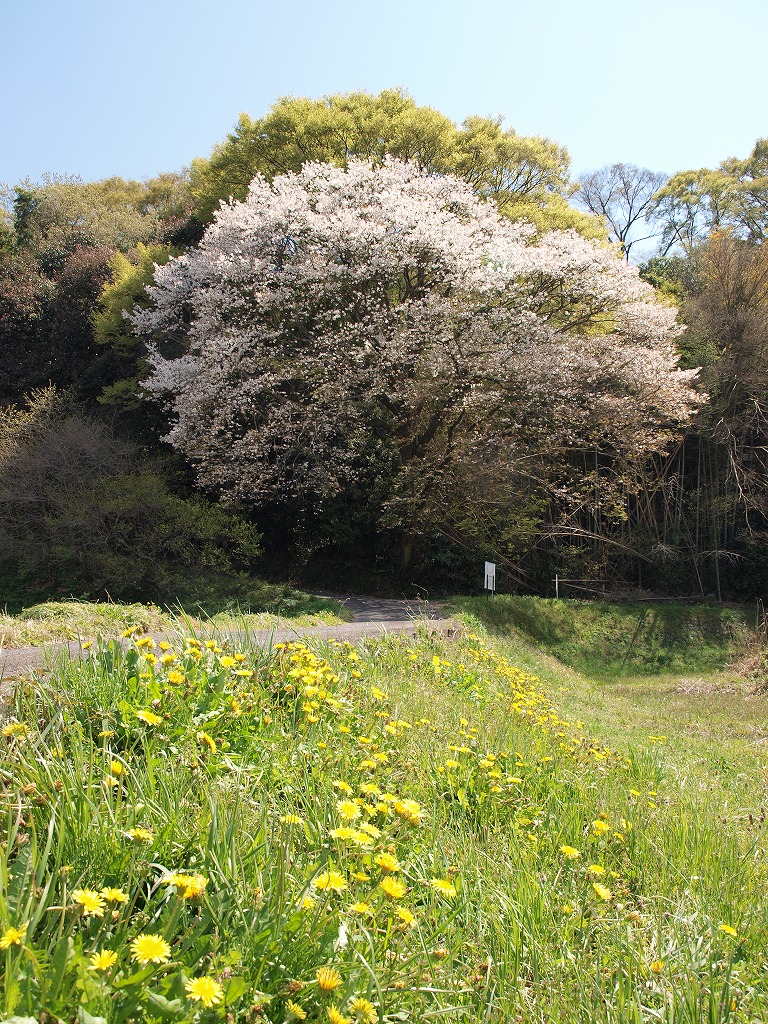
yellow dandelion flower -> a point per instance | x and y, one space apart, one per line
295 1012
335 1016
596 869
602 891
388 862
150 949
102 960
148 717
570 852
92 902
86 646
393 887
167 659
361 908
359 838
176 677
328 978
291 819
729 930
114 895
331 880
599 827
406 916
206 740
408 809
207 991
371 830
361 876
145 641
444 886
139 835
363 1012
194 887
343 787
307 903
344 832
657 966
15 729
12 937
227 661
348 809
378 694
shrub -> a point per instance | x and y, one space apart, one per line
79 508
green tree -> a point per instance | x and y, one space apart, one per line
694 203
57 239
120 364
527 177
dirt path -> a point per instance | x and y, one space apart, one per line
372 616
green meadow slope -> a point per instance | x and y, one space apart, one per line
407 829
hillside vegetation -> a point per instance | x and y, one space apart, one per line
607 639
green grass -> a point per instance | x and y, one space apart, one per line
608 640
243 606
477 765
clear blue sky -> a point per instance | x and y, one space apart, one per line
97 88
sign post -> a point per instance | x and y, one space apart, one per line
490 577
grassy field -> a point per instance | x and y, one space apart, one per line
407 830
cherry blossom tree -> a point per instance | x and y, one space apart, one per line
386 325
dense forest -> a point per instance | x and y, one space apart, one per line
362 345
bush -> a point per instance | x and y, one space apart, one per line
79 509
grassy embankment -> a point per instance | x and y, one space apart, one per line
251 605
408 830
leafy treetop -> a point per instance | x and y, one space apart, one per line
527 177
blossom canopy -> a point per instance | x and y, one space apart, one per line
345 324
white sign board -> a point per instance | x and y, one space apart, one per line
490 576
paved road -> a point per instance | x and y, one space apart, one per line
372 616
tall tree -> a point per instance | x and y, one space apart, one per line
625 195
526 176
383 321
734 195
